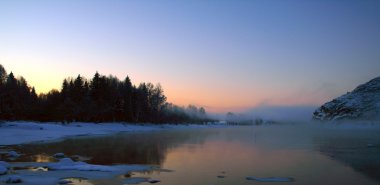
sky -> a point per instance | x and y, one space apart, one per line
224 55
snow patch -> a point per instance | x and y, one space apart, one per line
3 170
271 179
32 177
5 164
153 181
59 155
68 164
14 179
13 154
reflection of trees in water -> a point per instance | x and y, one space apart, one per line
353 151
129 148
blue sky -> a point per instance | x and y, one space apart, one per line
224 55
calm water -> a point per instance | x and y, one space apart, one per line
310 155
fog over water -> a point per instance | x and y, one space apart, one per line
282 113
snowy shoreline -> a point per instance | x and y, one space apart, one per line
23 132
61 172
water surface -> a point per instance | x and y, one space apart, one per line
221 156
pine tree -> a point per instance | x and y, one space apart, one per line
95 87
3 75
127 97
78 90
65 89
10 97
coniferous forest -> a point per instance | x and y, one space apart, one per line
100 99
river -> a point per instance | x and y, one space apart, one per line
302 153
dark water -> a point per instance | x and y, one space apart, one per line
308 154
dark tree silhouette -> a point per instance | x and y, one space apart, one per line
3 77
101 99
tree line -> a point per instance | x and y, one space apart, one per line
100 99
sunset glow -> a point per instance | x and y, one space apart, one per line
222 55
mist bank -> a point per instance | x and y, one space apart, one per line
361 105
270 114
282 113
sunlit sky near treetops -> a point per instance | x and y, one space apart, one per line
223 55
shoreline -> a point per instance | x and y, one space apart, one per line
24 132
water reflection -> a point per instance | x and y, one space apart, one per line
43 158
310 155
132 148
354 149
262 152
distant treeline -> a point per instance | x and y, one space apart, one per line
101 99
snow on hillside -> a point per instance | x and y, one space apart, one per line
363 103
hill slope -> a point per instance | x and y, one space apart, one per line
363 103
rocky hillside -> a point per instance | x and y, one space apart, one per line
363 103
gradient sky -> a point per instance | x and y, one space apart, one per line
223 55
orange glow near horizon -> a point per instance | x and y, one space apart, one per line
215 99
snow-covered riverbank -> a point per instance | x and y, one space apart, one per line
12 133
62 171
